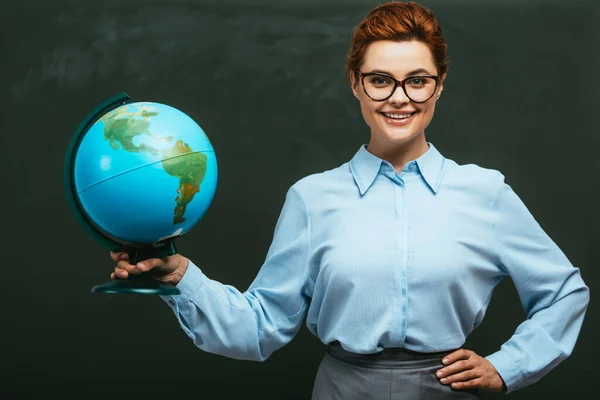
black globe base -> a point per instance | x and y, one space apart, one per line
136 284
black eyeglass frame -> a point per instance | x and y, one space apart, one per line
402 84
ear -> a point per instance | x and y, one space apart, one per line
354 84
440 87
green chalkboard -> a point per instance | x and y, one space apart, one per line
265 80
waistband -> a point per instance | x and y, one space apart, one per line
388 358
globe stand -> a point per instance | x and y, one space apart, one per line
137 284
142 283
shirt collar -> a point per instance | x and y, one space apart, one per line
365 166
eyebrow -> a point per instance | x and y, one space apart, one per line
411 73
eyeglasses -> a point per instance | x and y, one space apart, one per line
380 87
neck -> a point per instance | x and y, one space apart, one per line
398 154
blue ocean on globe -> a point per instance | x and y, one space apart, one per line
145 172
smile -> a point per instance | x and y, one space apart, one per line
398 119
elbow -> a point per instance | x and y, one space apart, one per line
581 301
579 309
580 292
263 353
584 290
584 296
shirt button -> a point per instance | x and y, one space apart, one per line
412 166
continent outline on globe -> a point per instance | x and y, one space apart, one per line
128 122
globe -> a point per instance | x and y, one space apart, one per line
140 174
145 172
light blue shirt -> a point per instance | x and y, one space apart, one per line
375 259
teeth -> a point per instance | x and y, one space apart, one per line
399 116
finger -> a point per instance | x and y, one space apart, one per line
121 273
460 354
124 265
113 276
116 256
149 264
455 367
470 384
462 376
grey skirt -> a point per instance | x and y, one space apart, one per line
393 374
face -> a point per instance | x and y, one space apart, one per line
400 60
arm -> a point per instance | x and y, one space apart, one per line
253 324
550 288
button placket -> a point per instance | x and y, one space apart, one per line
404 250
399 290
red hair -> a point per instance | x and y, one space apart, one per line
397 21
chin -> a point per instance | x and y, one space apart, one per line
399 134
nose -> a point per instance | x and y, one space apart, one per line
398 97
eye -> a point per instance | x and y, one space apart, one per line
416 81
378 80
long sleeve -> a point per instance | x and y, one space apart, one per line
253 324
550 288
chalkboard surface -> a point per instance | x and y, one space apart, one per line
265 80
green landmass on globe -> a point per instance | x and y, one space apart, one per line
121 126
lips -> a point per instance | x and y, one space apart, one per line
393 120
398 114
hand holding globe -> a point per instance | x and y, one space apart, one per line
137 176
169 269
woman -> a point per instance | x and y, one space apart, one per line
393 256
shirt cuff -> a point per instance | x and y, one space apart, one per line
192 279
508 369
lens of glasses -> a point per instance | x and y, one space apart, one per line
418 88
